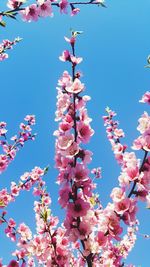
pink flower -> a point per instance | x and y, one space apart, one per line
133 173
65 56
97 172
84 230
63 6
70 40
45 9
76 60
65 126
122 206
30 119
144 123
65 141
5 198
11 223
64 196
146 98
148 201
15 189
30 13
13 263
113 226
76 87
13 4
3 162
146 137
119 133
117 194
79 208
84 132
3 56
71 151
101 239
31 262
24 231
80 173
75 11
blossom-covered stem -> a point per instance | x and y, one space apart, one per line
74 97
88 258
54 246
7 45
57 4
140 170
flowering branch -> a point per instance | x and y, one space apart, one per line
43 8
10 150
6 45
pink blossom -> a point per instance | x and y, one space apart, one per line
84 230
14 189
84 132
64 196
3 56
30 119
13 263
117 194
11 223
65 141
148 201
65 126
45 8
75 11
76 60
146 98
71 40
76 87
65 56
144 123
79 208
97 172
146 137
119 133
3 162
63 6
133 173
122 206
101 239
24 231
30 13
31 262
114 227
80 173
13 4
71 151
5 198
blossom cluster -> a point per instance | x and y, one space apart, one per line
95 229
90 235
43 8
6 45
10 150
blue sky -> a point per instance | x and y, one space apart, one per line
115 45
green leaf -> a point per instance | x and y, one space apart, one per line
101 4
107 109
3 23
46 169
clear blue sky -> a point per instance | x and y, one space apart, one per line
115 45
